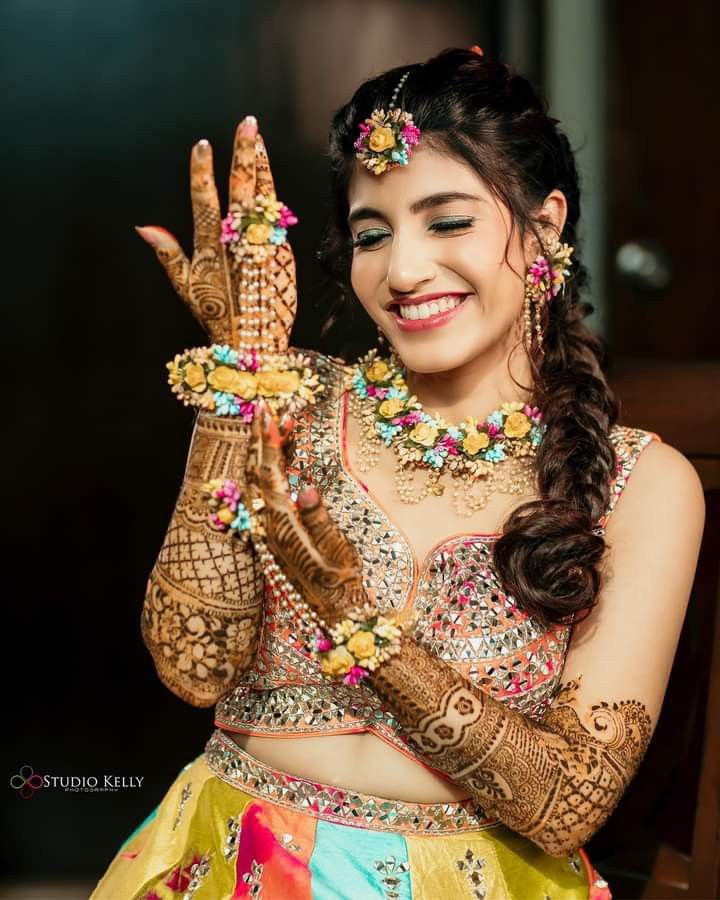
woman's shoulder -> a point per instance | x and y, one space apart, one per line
664 481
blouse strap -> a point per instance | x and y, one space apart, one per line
629 444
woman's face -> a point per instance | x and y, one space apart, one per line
429 230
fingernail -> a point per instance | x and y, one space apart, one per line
145 234
203 147
308 497
249 127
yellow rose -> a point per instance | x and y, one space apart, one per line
362 644
378 371
225 515
390 408
195 377
337 662
380 166
258 233
475 440
233 381
517 424
269 383
381 139
424 433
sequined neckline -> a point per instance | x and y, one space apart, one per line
420 567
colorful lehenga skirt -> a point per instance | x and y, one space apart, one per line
232 827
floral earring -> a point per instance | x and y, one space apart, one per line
545 278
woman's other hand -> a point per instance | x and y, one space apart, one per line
210 282
311 550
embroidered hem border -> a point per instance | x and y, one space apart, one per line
235 766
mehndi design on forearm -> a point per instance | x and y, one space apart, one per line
203 604
555 780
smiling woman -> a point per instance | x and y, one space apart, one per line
419 692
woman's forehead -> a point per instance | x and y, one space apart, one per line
428 172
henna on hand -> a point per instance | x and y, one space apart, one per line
209 283
555 780
313 552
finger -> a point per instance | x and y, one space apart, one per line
242 168
331 542
264 183
254 456
273 477
171 257
204 196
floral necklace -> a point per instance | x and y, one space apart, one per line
470 451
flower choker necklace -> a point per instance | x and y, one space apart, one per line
470 451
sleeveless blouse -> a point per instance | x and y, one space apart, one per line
461 612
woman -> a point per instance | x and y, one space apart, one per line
436 649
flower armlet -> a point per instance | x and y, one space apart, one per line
229 382
357 645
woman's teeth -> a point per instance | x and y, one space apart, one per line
424 310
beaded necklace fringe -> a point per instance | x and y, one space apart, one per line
495 456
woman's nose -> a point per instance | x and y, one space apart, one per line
408 267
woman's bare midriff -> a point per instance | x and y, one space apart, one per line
362 762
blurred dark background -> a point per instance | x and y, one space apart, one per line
102 105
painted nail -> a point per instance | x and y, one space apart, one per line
308 497
249 127
146 234
203 147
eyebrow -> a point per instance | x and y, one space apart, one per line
429 202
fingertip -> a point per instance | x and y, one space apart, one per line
146 234
308 497
248 128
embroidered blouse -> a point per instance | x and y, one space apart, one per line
461 611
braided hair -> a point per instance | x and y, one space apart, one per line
480 110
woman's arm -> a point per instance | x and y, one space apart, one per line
557 780
202 610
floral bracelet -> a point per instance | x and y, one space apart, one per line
230 382
357 645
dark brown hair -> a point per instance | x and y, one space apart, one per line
480 110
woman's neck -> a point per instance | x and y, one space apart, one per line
474 389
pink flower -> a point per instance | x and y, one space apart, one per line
372 390
323 645
449 443
287 217
356 675
228 230
411 134
493 429
410 419
247 410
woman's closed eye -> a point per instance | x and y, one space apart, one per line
372 236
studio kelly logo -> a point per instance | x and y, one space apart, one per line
27 782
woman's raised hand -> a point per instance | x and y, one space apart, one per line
243 294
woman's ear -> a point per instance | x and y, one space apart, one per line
550 220
554 212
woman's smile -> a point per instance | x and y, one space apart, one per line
431 313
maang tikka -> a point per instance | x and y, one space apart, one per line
386 139
545 278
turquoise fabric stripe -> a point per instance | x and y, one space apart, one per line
348 863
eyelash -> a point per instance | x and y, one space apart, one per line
437 226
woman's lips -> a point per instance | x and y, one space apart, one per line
430 322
